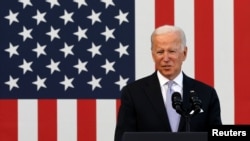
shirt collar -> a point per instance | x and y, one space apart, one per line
163 80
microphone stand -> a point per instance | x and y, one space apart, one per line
187 118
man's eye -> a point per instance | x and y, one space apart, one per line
160 52
172 51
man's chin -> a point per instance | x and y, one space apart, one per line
166 73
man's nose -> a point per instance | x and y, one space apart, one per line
166 56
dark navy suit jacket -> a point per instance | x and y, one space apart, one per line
142 108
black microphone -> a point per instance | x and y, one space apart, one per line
177 103
196 102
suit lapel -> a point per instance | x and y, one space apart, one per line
153 91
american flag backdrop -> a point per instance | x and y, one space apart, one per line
64 62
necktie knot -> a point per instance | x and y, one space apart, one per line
170 84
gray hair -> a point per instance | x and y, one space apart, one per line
168 29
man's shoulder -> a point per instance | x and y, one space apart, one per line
149 79
196 82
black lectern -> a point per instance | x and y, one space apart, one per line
165 136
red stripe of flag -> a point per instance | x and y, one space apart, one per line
241 61
47 120
86 120
204 31
8 120
164 12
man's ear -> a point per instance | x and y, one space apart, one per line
185 53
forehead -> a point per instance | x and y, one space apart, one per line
166 38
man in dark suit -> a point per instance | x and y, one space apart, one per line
144 106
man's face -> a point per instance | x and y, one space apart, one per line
168 54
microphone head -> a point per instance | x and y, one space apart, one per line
196 102
177 103
176 99
195 99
